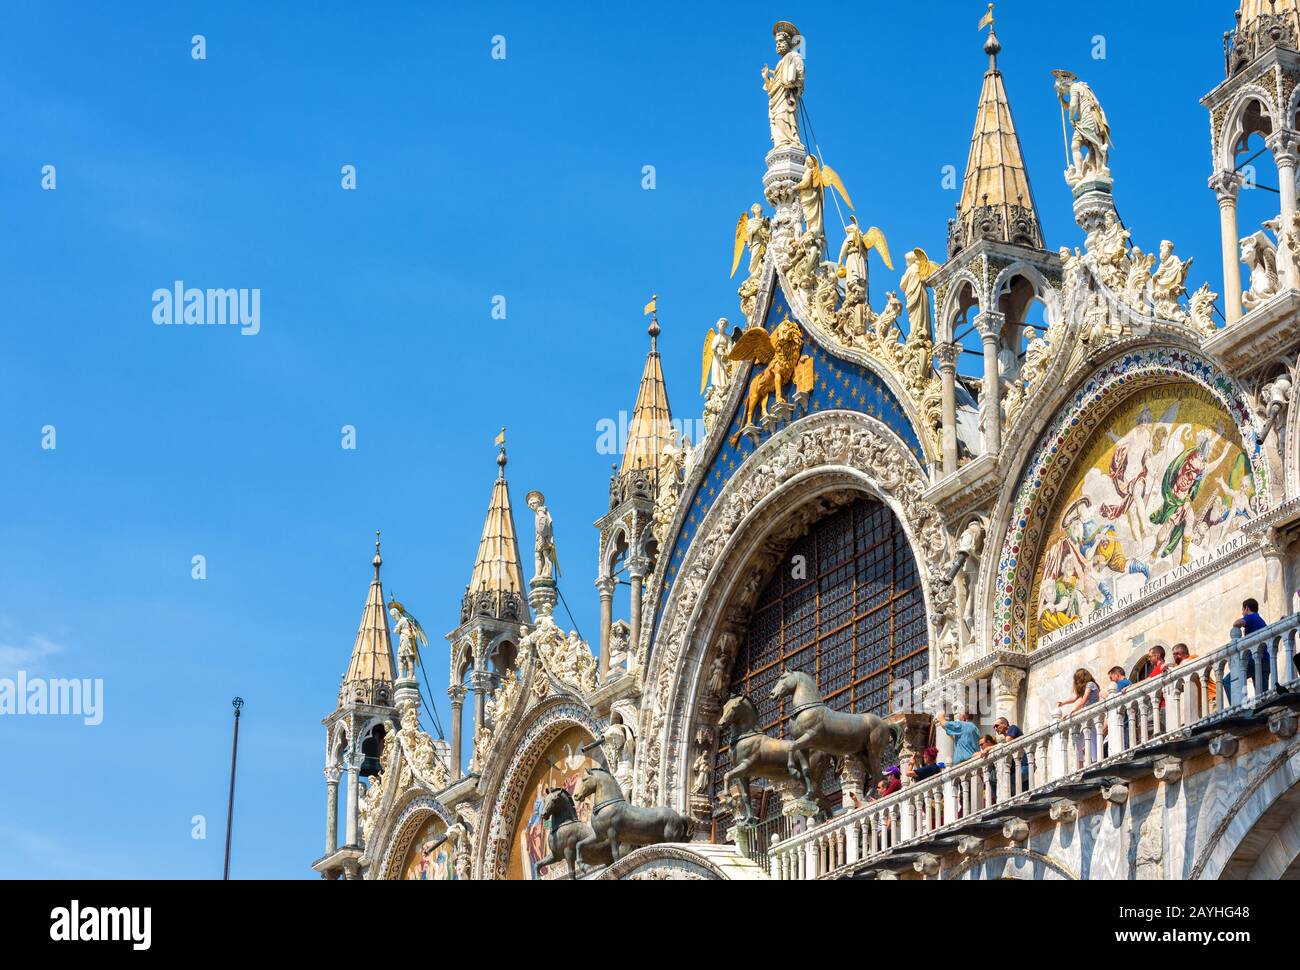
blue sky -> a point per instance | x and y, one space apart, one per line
475 177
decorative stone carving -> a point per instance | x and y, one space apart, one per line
969 845
568 659
1063 810
1259 253
1282 724
927 864
1168 770
1224 745
1015 830
420 754
1115 794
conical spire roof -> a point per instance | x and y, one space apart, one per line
997 202
370 672
1261 26
651 429
1253 11
496 587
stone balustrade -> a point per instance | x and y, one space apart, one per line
1232 678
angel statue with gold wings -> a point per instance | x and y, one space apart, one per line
812 192
916 288
410 637
716 371
755 231
853 255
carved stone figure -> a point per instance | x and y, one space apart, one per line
621 750
1139 276
1169 283
916 289
1202 302
1091 129
965 570
619 651
755 231
784 87
410 637
949 648
546 564
1038 357
717 363
1259 253
703 773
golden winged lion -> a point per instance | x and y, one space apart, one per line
781 352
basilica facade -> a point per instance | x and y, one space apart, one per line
895 615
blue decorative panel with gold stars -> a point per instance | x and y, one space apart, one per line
840 385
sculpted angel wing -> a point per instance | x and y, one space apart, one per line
708 361
740 243
873 238
754 345
832 178
924 267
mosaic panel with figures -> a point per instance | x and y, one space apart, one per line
846 606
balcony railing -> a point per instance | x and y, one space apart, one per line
1233 678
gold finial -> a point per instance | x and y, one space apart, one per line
987 19
501 455
652 311
378 560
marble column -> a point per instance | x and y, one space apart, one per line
457 695
1282 144
991 326
479 681
1006 692
354 785
1276 603
1227 186
332 809
637 567
946 355
605 586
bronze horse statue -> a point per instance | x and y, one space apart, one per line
815 727
755 755
567 830
620 824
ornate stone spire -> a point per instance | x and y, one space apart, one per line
651 427
369 679
1261 26
496 587
997 202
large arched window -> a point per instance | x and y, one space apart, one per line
844 605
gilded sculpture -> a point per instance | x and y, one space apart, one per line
784 87
781 352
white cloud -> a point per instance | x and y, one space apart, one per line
28 654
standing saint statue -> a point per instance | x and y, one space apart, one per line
410 637
546 565
916 290
784 88
1091 129
1169 282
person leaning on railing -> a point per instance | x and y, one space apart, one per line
964 733
1249 622
1182 655
1086 693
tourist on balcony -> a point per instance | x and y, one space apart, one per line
925 765
892 781
1156 664
1183 654
1086 693
965 736
1249 622
1119 681
1005 731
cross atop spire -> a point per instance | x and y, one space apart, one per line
370 672
997 202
